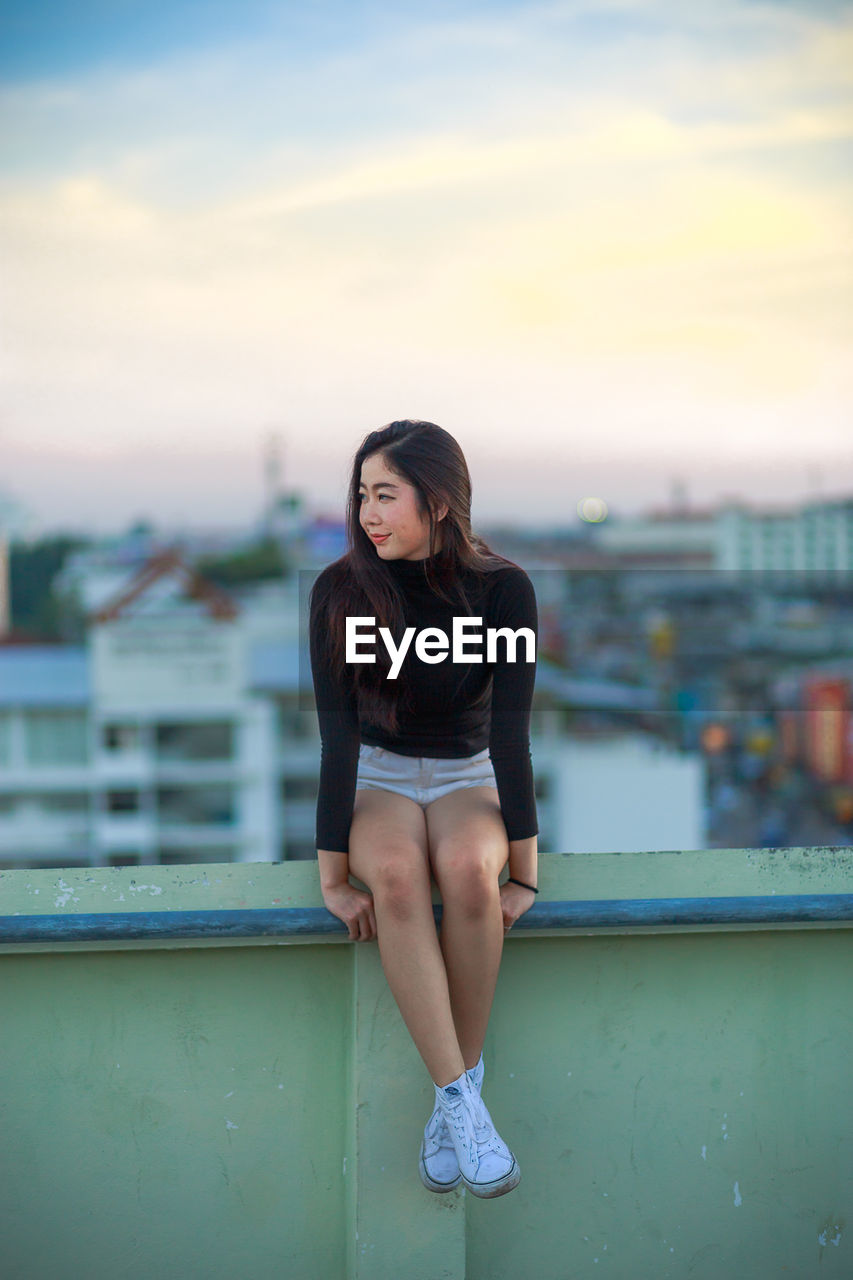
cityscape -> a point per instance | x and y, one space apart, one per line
693 685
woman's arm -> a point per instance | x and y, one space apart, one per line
334 868
514 606
515 898
509 744
353 906
524 860
340 738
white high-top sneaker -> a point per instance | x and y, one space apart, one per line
487 1165
438 1165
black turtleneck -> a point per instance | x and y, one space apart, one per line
457 709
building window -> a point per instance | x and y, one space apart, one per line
299 850
300 788
174 857
65 802
55 737
206 740
50 864
197 806
122 802
120 737
296 724
123 860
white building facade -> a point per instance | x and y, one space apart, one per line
151 742
813 537
816 537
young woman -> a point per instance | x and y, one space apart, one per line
425 767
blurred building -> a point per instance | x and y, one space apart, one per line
174 735
177 734
815 536
610 791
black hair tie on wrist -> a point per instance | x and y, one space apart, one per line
512 880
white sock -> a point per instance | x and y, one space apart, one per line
458 1085
475 1073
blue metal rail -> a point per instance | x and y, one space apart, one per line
819 908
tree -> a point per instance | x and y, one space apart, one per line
38 611
261 562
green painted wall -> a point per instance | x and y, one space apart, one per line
679 1100
174 1114
680 1106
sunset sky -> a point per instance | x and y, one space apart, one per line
606 244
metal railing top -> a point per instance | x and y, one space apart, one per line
775 909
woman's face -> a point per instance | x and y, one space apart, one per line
389 513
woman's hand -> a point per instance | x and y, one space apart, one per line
515 900
354 907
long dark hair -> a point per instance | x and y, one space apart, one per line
359 584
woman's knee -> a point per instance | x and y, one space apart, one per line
467 880
399 881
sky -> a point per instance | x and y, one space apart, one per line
606 244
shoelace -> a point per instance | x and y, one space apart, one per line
437 1131
474 1125
437 1134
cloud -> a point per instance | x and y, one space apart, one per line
522 217
256 105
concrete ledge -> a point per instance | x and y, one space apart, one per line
668 1055
226 904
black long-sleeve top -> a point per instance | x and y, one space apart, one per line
458 709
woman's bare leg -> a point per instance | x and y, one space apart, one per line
468 849
388 852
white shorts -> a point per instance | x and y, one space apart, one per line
421 778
